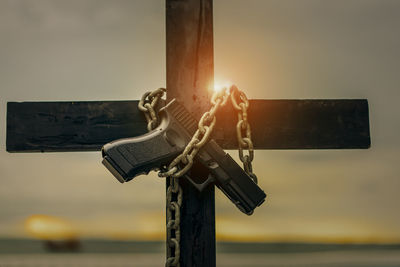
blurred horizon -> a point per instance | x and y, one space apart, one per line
151 253
44 227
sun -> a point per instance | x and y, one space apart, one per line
219 86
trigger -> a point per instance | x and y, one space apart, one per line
200 186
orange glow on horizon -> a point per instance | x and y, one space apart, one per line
150 226
49 228
278 238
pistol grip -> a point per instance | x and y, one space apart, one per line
130 157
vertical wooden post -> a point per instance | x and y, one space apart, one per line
190 75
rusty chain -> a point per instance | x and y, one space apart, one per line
147 104
182 163
243 130
174 203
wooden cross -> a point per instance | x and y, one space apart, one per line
276 124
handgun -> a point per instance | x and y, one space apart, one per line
129 157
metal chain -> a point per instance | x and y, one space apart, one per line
174 203
181 164
243 130
147 104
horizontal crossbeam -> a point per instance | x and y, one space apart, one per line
301 124
276 124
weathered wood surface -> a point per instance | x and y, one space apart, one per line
276 124
190 72
300 124
70 126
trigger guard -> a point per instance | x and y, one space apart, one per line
201 186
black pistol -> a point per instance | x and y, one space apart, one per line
130 157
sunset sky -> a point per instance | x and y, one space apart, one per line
55 50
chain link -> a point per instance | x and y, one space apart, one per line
174 203
182 163
148 103
243 130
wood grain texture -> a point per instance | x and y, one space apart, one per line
300 124
190 72
70 126
276 124
190 54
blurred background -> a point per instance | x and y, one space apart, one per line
321 203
